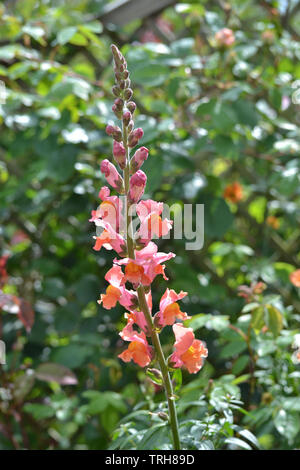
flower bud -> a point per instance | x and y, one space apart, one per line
115 132
137 186
116 90
116 55
112 175
130 125
119 103
131 106
117 112
162 415
126 117
170 362
119 154
128 93
158 323
135 136
138 159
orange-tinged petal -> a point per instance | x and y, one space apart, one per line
193 357
134 273
110 299
295 278
172 312
138 352
102 240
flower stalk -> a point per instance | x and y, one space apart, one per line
138 254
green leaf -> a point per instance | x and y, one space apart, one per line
217 216
66 34
177 378
274 319
155 437
150 74
258 319
39 411
238 443
209 321
250 437
246 112
240 364
155 377
287 424
233 348
73 355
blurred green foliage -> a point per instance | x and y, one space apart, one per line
212 116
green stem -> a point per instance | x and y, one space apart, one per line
145 309
163 367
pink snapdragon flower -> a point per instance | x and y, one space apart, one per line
146 265
152 225
110 210
189 352
138 159
109 238
112 175
138 318
137 186
169 309
135 136
116 292
138 350
119 153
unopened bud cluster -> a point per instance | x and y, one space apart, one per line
127 137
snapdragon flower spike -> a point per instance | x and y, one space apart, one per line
138 260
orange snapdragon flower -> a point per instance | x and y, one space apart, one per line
111 297
295 278
189 352
134 273
138 350
233 192
273 222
